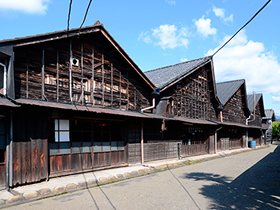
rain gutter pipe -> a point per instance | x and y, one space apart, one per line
216 139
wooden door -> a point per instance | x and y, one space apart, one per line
30 161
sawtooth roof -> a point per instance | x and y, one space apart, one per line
225 90
164 76
250 100
269 114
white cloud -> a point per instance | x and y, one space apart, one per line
204 27
276 99
171 2
220 12
166 36
27 6
246 59
184 59
145 37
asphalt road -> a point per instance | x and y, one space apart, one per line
249 180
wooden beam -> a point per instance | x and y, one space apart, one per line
82 66
57 75
120 86
27 70
92 76
102 77
111 86
43 73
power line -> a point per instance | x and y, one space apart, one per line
85 15
69 15
241 28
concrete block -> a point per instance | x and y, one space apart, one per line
2 202
120 176
170 165
147 170
92 182
141 171
127 175
111 178
134 173
59 189
102 180
82 184
45 191
175 165
14 199
71 186
29 195
163 166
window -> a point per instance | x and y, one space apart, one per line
1 80
62 131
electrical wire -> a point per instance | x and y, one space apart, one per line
85 15
240 29
70 4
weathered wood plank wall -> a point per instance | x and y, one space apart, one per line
192 98
49 72
30 161
233 109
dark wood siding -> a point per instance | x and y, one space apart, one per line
258 116
192 97
233 109
100 78
134 139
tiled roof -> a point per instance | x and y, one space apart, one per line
250 100
162 77
225 90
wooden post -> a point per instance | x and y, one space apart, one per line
112 71
27 70
102 77
82 66
57 75
120 89
92 75
43 72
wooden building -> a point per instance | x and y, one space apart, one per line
233 113
267 124
256 107
187 93
76 100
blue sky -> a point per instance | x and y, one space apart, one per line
164 32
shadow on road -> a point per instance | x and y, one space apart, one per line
256 188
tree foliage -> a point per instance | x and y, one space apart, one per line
276 129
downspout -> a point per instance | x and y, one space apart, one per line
216 139
150 107
5 78
9 155
247 119
142 143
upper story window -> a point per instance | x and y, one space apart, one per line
2 80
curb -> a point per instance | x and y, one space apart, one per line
71 187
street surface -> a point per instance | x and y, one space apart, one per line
249 180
